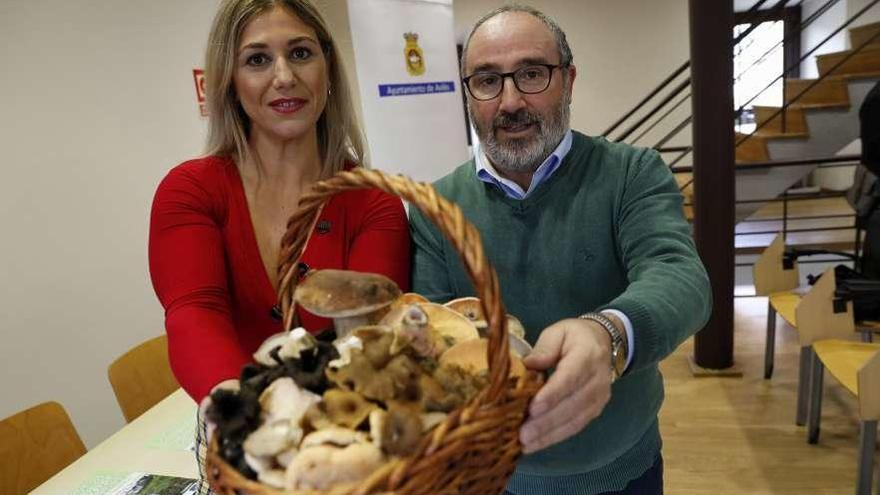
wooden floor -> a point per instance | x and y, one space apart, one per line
737 435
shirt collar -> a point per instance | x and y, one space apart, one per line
487 173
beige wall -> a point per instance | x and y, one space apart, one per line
98 103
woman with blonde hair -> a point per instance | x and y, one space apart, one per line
280 119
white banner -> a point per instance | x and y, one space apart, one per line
407 69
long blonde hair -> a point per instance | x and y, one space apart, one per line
339 134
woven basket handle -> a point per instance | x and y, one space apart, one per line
443 213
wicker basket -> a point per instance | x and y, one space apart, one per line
475 450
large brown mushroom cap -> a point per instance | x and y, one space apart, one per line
471 356
344 293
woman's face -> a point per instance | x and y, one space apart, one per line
281 75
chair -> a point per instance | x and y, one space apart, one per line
780 284
34 445
142 377
827 326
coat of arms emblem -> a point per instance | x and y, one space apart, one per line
415 58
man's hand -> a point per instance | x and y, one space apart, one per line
577 391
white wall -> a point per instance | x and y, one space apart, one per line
818 30
870 15
98 103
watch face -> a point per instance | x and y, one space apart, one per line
619 361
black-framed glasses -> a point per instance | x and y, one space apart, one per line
529 80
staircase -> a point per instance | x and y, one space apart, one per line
818 124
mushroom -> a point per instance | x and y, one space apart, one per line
334 435
447 326
515 327
284 401
344 346
289 345
323 466
345 408
432 419
471 356
315 418
377 419
270 440
272 477
376 342
400 430
471 309
460 382
407 299
346 296
436 398
443 329
519 346
283 405
410 328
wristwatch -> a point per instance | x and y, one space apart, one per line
618 342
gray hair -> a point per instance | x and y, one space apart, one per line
565 56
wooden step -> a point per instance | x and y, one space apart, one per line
865 62
831 92
860 34
767 219
750 148
795 121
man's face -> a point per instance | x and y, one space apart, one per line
517 130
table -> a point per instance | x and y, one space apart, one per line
135 448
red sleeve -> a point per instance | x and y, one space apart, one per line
381 243
188 270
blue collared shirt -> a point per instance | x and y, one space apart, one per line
487 173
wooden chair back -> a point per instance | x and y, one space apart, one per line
35 444
816 315
869 389
142 377
770 275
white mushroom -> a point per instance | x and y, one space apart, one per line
283 400
289 345
322 466
258 463
336 436
271 439
273 477
344 346
286 457
263 356
298 341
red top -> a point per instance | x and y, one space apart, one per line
207 271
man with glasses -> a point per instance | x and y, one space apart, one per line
593 255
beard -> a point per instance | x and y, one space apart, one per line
524 154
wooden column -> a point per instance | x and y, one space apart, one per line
711 30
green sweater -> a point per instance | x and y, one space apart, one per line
605 231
